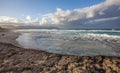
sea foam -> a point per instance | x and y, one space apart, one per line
72 42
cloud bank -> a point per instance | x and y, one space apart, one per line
103 15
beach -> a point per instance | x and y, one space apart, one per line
16 59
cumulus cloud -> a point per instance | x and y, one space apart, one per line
43 21
28 18
107 9
15 21
27 21
5 19
103 14
100 15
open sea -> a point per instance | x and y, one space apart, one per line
72 42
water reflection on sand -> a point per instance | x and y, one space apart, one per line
69 43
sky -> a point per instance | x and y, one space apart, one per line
69 14
35 8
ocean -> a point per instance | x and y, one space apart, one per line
72 42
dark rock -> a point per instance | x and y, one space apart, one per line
19 60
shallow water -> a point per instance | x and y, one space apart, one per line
72 42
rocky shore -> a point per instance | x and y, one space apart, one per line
19 60
14 59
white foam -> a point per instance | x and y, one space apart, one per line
69 42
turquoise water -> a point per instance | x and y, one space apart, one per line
71 42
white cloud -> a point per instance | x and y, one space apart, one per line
95 11
43 21
5 19
102 20
102 12
28 18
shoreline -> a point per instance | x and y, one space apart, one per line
9 37
20 60
16 59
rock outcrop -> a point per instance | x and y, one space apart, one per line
19 60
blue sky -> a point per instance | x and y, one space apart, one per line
69 14
35 8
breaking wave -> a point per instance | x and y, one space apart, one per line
72 42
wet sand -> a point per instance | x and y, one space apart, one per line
15 59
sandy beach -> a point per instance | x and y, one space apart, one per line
15 59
